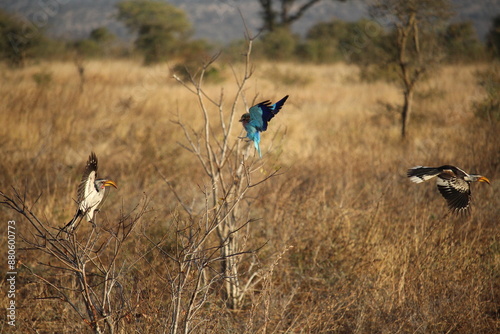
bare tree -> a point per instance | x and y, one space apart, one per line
192 266
84 270
227 164
283 13
416 23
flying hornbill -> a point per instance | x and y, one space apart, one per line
90 193
452 182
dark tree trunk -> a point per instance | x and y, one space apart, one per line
405 113
409 73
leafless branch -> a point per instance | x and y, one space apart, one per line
92 258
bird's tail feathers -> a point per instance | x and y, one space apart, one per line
256 142
70 226
257 147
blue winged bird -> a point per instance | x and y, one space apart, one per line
256 119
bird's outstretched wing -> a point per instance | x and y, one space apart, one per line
257 115
420 174
84 189
456 191
263 112
87 185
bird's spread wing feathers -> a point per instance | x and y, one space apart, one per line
87 185
263 112
451 182
456 191
420 173
257 115
85 188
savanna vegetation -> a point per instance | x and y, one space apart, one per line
324 234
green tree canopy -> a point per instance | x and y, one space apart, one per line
161 28
98 44
279 44
359 41
102 35
461 42
19 40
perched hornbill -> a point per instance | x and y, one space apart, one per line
452 182
90 192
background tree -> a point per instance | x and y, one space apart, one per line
161 28
488 108
493 38
359 42
282 13
19 40
102 35
462 43
279 44
416 24
98 44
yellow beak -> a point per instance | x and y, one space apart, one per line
484 179
110 183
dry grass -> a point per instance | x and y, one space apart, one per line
356 248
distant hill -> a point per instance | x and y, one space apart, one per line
216 20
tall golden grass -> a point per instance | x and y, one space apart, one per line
354 246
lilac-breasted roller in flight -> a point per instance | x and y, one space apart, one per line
256 119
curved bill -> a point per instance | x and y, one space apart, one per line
483 179
110 183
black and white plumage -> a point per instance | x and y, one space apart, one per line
90 192
453 183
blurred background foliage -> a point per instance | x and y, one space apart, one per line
163 33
